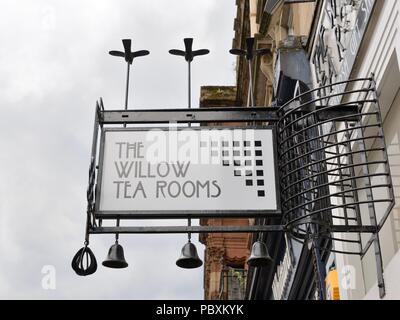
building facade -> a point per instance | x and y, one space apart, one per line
323 44
360 39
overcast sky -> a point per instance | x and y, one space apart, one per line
54 65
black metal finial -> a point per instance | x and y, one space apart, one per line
129 56
189 54
249 53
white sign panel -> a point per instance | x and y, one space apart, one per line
199 169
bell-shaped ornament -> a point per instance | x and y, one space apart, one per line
259 256
189 258
115 258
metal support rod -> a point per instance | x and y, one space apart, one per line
373 220
189 125
353 183
320 270
186 229
250 97
127 86
92 174
126 108
154 116
204 115
372 209
217 229
117 234
383 141
189 226
189 87
194 214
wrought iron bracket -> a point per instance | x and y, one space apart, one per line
215 229
216 115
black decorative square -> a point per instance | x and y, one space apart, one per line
260 182
261 193
237 173
249 173
236 163
260 173
249 182
257 143
258 153
259 162
247 162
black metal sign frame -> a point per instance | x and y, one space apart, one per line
255 117
174 214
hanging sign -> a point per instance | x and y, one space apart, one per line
187 170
